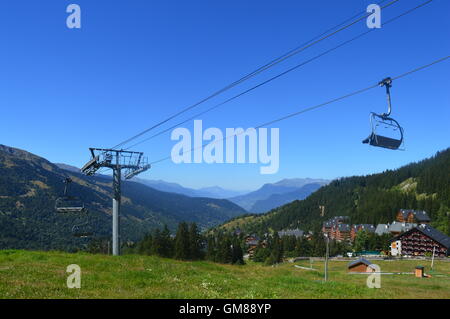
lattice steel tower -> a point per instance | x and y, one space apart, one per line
133 163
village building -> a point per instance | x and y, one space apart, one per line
382 229
291 232
341 232
361 265
252 242
413 216
251 238
419 241
329 227
396 228
309 235
252 245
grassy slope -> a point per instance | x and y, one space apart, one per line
25 274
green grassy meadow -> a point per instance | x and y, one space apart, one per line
32 274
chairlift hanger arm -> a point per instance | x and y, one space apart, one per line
387 82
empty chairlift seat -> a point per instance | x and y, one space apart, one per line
386 131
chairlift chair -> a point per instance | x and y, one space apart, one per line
67 203
82 230
390 125
82 227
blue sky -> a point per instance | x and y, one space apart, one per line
134 63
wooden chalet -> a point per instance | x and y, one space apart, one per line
413 216
419 241
341 232
361 265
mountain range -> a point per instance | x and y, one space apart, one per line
30 185
270 196
213 191
267 197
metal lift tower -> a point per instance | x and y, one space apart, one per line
133 163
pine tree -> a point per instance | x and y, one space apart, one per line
276 251
441 220
224 252
195 242
261 253
211 251
237 254
144 247
166 243
361 241
318 245
303 248
156 243
182 242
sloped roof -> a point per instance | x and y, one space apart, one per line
365 227
382 229
435 234
335 220
431 232
252 242
420 215
291 232
359 261
405 212
343 227
398 227
327 224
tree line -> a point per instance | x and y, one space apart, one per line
189 244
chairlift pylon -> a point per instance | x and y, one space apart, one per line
386 121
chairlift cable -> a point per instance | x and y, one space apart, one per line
257 71
276 76
357 92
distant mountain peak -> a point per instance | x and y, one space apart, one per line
287 190
299 182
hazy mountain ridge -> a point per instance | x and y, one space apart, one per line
263 196
276 200
212 191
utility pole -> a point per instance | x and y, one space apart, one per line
133 163
327 253
432 258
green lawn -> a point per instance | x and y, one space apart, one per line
25 274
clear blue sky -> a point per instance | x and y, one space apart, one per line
133 63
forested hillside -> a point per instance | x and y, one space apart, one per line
367 199
29 186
